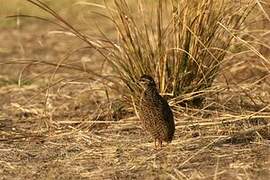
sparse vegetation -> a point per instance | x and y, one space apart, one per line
69 89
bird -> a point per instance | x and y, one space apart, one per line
155 113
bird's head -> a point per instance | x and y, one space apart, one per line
147 81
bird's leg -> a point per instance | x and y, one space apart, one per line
160 143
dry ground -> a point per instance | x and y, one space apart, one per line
82 136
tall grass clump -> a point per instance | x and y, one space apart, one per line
182 43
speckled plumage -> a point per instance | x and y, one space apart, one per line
155 113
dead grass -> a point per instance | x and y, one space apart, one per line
85 132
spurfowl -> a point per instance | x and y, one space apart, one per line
155 113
